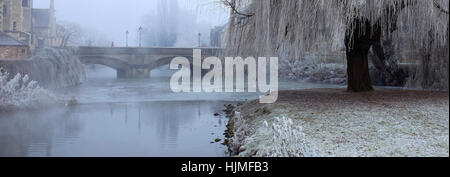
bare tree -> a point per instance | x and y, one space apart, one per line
72 34
160 28
68 33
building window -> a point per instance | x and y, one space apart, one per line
14 26
25 3
5 9
23 51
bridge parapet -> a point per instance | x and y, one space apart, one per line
146 51
137 62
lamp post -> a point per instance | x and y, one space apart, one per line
199 39
140 36
126 32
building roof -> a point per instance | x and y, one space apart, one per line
41 17
6 40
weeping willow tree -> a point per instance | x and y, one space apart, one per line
288 28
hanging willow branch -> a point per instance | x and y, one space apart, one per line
437 5
232 6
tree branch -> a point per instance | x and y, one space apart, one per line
233 7
392 13
437 5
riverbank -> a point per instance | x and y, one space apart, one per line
332 122
24 82
51 67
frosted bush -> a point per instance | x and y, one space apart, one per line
282 138
329 73
287 140
21 92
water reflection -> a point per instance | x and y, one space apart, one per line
142 129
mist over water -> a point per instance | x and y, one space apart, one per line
117 117
111 120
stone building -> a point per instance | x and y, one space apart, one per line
16 20
44 26
35 28
10 48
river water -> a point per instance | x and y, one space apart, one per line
125 118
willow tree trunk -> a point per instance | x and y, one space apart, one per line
358 43
358 71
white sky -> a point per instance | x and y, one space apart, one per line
114 17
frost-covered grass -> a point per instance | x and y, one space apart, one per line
20 92
287 140
332 122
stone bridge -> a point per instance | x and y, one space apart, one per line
137 62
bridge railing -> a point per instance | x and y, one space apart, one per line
84 50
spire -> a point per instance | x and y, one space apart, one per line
52 4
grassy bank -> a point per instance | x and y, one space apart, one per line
332 122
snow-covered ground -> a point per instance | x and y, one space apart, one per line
332 122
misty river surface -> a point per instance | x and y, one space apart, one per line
125 118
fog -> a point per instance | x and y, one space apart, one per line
110 19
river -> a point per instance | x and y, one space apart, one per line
125 118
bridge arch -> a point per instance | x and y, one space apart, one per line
122 67
111 62
166 60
